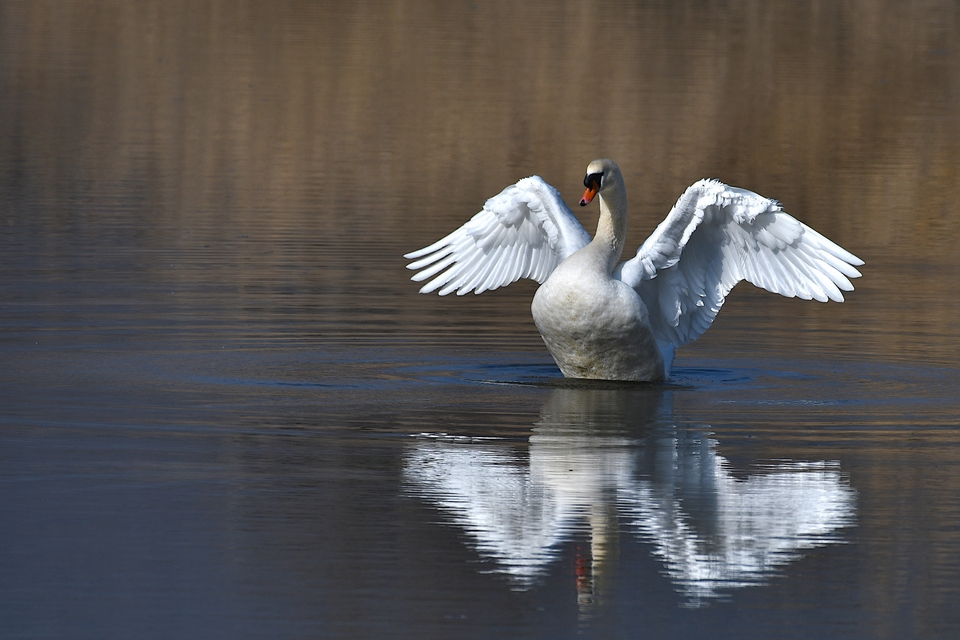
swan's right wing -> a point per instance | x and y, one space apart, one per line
523 232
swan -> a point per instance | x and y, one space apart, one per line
609 321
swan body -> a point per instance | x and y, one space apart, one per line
604 320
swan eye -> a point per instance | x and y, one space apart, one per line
593 179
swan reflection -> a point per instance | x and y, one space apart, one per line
599 461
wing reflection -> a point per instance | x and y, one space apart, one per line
599 460
714 531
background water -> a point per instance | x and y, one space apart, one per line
226 412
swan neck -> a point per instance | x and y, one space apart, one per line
612 227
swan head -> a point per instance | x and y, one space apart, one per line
601 175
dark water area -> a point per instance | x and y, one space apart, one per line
226 412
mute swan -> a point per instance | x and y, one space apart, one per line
607 321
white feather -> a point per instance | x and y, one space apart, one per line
523 232
743 236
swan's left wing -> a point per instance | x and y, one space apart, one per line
716 236
523 232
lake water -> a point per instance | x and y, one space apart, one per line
226 412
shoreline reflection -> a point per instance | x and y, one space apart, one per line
606 463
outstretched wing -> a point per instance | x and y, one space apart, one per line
523 232
716 236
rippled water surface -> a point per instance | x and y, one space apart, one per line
226 412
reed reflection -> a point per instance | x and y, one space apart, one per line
602 464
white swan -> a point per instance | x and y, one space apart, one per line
607 321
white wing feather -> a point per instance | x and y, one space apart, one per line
523 232
716 236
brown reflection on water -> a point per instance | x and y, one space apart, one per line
846 112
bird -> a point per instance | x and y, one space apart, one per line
609 320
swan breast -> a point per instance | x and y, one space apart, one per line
595 326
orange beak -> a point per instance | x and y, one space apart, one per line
589 194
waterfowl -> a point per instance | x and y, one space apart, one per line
609 321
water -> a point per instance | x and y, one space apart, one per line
225 411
